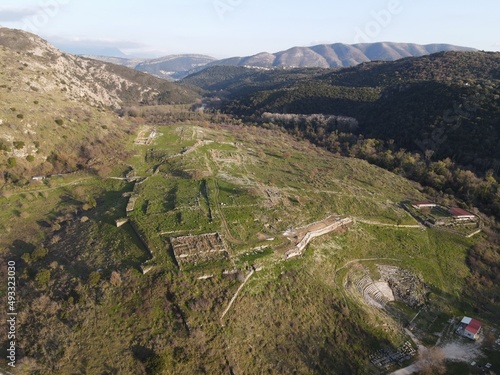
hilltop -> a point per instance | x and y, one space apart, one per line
421 93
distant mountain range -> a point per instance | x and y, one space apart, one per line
336 55
171 67
175 66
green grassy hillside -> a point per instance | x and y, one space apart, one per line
84 304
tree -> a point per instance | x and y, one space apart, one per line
39 253
43 278
4 146
11 162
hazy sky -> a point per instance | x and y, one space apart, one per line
223 28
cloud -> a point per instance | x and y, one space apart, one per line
88 42
16 15
100 47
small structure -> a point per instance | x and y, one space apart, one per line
131 203
420 205
469 328
299 247
145 269
122 221
198 249
461 215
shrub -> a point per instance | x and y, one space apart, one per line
132 112
115 279
4 146
18 145
11 162
59 121
30 158
20 116
39 253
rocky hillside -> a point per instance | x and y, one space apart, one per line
56 109
35 64
123 61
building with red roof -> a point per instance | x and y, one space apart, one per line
470 328
459 214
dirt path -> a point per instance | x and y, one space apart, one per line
234 297
76 182
227 232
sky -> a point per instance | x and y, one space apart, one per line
225 28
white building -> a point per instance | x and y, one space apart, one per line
470 328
